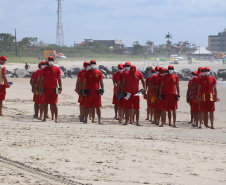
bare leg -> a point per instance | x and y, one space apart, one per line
116 111
93 114
1 109
55 110
86 112
212 119
147 114
131 116
206 119
169 117
120 115
201 116
41 107
99 115
174 118
137 112
45 111
81 113
127 111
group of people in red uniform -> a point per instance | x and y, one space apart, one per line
201 95
161 91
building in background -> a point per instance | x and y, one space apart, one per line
217 43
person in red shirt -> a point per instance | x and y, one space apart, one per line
170 86
3 82
161 103
79 91
115 79
50 76
207 93
191 95
130 84
198 105
149 96
41 96
33 83
93 79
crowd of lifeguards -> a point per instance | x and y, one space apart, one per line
160 90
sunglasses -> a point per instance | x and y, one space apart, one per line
92 63
207 70
171 68
120 68
127 66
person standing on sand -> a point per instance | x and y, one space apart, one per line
170 83
26 66
3 82
130 84
50 76
208 96
115 79
78 90
93 79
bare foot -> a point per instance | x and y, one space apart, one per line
190 122
207 126
3 115
194 125
161 125
125 123
147 119
44 120
93 121
212 128
57 121
137 124
166 123
175 126
85 121
47 116
170 124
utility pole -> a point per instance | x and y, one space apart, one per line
15 43
59 30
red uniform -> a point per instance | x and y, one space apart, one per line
35 77
121 102
115 78
50 84
197 106
170 91
207 97
191 93
147 82
2 86
93 83
81 98
160 103
41 96
132 86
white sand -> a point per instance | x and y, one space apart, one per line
110 153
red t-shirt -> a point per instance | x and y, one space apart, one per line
93 79
80 73
50 76
4 70
192 87
35 76
115 78
170 83
207 85
132 81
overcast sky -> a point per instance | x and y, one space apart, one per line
126 20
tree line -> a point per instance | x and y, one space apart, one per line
28 46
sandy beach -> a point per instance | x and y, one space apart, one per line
110 153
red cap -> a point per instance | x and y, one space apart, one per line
161 70
3 58
200 69
170 66
127 64
85 64
152 70
120 66
133 69
41 63
93 62
195 72
166 69
46 62
207 68
157 68
50 57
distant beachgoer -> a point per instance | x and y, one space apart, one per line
27 66
3 82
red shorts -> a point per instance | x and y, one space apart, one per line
115 99
121 102
208 106
132 103
36 98
2 92
93 100
41 99
50 96
170 102
161 105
